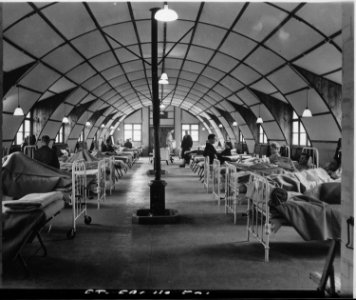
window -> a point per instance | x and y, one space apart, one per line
133 132
193 130
262 137
299 135
24 130
241 138
81 137
60 135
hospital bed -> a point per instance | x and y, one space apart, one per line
23 220
79 196
234 194
313 219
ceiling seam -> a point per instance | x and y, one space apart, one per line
40 59
139 44
91 15
259 44
219 46
189 45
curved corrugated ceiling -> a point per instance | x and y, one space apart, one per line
214 52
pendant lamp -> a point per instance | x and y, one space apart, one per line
165 14
163 79
307 113
259 119
18 110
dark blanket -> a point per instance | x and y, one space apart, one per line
312 218
288 181
19 228
22 175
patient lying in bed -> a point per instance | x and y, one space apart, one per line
313 218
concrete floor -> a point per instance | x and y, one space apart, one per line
205 250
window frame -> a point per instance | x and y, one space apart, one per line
241 138
300 131
60 134
22 132
261 133
132 129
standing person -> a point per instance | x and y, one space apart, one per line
186 145
169 140
47 155
210 149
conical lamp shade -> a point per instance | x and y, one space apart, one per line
163 79
18 111
307 113
259 120
166 15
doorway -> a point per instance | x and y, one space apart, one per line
163 131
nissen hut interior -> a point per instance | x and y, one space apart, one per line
177 149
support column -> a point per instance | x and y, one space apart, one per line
157 186
348 149
1 109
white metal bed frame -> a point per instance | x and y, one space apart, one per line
314 153
30 151
207 179
233 198
100 173
79 195
216 178
258 214
110 177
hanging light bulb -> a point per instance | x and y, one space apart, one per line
102 125
307 113
234 124
18 110
220 126
166 15
259 119
87 124
65 120
163 79
162 106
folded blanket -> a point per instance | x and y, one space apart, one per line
34 200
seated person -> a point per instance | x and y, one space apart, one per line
275 155
225 152
304 162
128 144
337 155
228 142
47 155
106 146
334 169
210 149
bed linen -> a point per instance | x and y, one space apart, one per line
312 218
22 175
18 228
